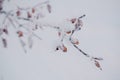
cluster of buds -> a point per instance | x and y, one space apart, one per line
77 23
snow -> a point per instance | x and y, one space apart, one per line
99 37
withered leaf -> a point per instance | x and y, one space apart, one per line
29 15
98 65
68 32
75 41
33 10
64 48
18 13
20 33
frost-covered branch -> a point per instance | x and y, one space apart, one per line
31 16
77 23
28 16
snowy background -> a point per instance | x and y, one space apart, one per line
100 36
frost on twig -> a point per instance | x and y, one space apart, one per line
77 24
19 19
25 22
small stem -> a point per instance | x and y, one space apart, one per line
82 16
22 45
36 36
81 50
77 46
84 53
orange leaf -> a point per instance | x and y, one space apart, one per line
33 10
77 42
18 13
29 15
64 49
68 32
98 64
20 33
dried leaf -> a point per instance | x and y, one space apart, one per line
64 48
68 32
18 13
29 15
20 33
61 47
49 8
98 65
33 10
4 42
75 41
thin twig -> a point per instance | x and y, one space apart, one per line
35 35
80 50
23 44
82 16
84 53
19 38
77 46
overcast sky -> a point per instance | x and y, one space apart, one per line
100 36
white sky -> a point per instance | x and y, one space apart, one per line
100 36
